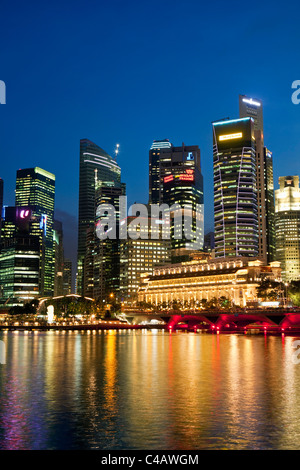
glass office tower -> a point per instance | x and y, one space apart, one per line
95 165
264 179
35 189
21 256
235 192
175 178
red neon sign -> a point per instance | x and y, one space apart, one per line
168 178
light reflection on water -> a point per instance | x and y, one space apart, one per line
148 390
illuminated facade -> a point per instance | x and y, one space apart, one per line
235 192
195 281
264 179
58 257
21 257
35 189
95 166
175 178
140 256
287 224
102 258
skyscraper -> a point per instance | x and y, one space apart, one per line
67 277
58 257
264 179
21 256
95 165
235 191
141 255
106 259
175 178
35 189
1 203
287 224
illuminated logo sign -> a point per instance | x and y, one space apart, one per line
237 135
187 176
43 223
251 101
190 156
2 92
169 178
24 214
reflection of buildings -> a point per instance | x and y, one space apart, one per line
141 255
22 255
287 219
233 278
35 189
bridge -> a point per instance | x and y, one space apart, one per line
273 320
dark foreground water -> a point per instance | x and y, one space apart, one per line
148 390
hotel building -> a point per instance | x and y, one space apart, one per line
189 283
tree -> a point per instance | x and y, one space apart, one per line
294 292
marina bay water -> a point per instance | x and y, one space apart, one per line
148 389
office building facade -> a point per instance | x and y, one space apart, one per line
264 179
137 256
95 166
287 225
175 178
35 189
235 191
21 256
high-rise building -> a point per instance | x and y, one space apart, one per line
287 225
141 255
21 256
1 203
106 255
235 191
58 257
175 178
35 189
67 277
264 179
95 165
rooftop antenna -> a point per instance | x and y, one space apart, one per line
117 151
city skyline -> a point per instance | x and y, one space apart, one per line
130 104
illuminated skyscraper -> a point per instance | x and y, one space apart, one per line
95 165
1 203
235 191
287 224
35 189
141 255
175 178
58 257
264 179
21 256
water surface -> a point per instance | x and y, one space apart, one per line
148 390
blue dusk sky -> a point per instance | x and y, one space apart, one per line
129 72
